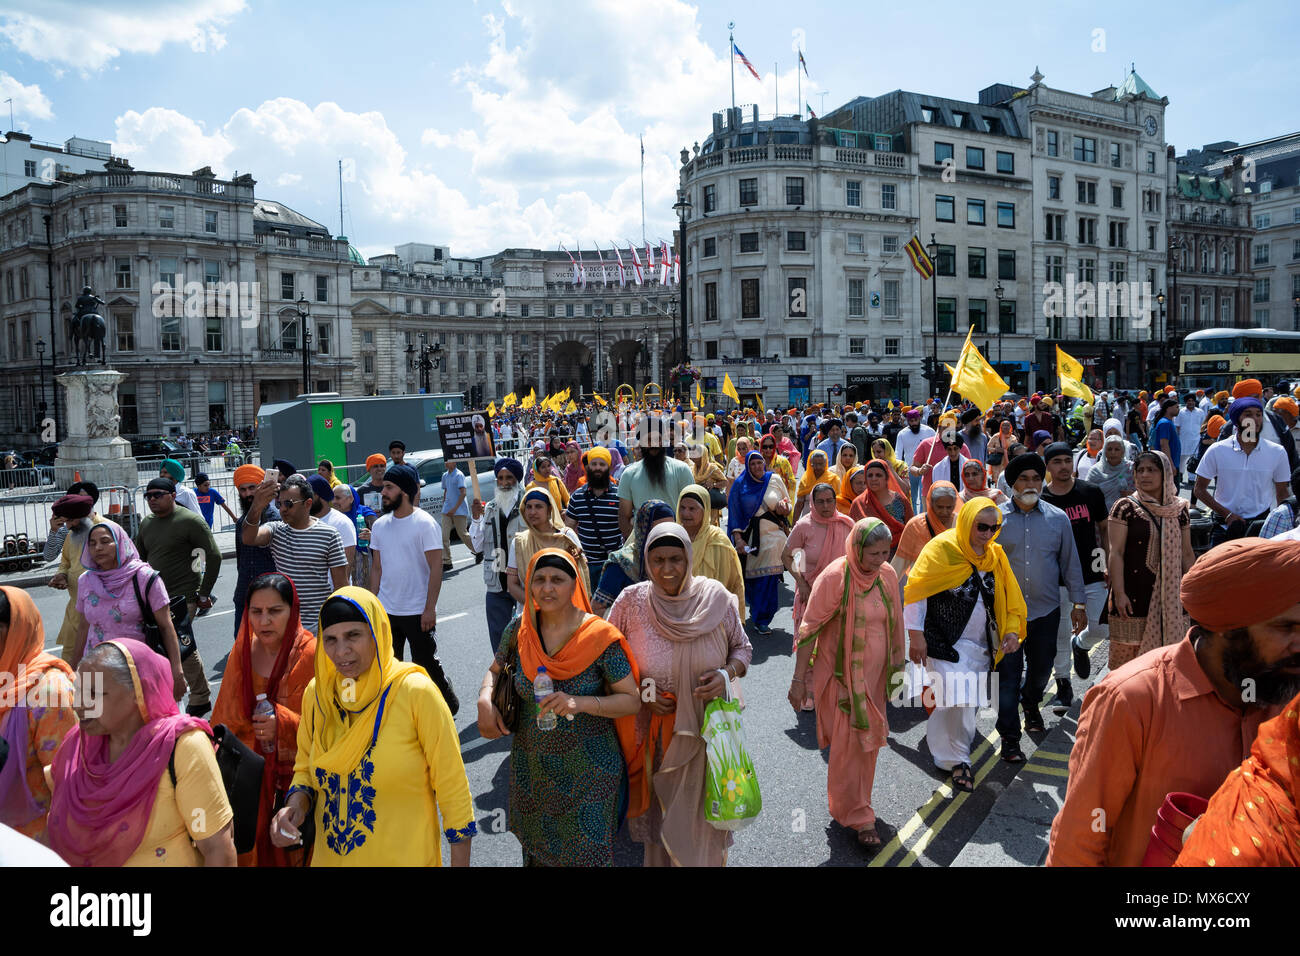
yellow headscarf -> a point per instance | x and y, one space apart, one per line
809 481
338 744
528 542
892 459
946 562
712 553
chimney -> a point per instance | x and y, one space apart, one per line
1238 184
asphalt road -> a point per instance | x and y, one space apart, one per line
921 821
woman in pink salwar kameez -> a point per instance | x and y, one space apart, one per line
851 646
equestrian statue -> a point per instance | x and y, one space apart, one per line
89 328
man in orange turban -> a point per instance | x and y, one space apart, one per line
1248 388
1179 718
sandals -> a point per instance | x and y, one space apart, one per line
1012 753
869 838
962 778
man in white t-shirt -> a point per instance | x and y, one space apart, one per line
322 509
1188 422
1252 475
905 446
406 573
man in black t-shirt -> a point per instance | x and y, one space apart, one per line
1085 506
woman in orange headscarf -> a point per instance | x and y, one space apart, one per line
853 485
273 659
566 779
36 696
884 499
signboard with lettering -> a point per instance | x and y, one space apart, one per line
466 435
749 384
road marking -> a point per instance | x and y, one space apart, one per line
1049 755
937 827
453 617
218 613
1046 771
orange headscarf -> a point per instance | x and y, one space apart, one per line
844 496
1253 818
920 529
22 653
865 505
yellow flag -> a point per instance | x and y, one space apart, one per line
952 372
975 379
492 409
890 406
599 401
729 390
530 399
761 409
699 395
570 408
1070 370
508 401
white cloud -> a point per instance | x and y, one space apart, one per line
87 34
163 139
288 179
29 101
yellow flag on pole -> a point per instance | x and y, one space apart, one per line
530 399
508 401
570 408
492 409
975 379
761 409
699 395
729 389
599 401
1070 370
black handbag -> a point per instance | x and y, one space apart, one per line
505 696
717 500
180 615
241 775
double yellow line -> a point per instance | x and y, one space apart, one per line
983 759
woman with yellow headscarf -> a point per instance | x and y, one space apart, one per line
714 554
544 528
882 449
378 755
964 610
817 473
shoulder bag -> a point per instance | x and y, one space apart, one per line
241 776
505 696
149 623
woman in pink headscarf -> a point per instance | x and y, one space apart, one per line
137 784
573 470
786 447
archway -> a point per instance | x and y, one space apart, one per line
629 364
571 365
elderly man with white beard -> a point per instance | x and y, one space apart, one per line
491 529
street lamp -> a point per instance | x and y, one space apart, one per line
645 357
598 379
40 358
427 358
304 313
932 248
998 293
683 208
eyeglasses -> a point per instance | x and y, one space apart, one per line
154 495
284 505
983 528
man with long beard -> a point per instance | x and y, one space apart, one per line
494 524
593 512
1180 718
657 476
250 561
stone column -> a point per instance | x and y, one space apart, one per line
654 358
541 365
510 363
93 447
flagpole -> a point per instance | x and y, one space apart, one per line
776 105
799 79
731 58
643 187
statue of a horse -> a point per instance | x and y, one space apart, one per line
88 333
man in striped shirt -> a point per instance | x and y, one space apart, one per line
306 550
593 513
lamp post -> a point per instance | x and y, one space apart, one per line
683 208
304 313
523 370
932 248
1295 314
998 293
597 379
1171 335
40 358
645 358
426 359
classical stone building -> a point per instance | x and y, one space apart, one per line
25 160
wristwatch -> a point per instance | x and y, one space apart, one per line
1081 607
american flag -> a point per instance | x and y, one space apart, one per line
745 60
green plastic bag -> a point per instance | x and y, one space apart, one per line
731 797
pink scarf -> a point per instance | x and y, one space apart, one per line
786 447
1167 620
100 808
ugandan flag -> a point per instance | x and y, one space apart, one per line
921 262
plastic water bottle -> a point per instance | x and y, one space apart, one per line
543 688
361 526
266 708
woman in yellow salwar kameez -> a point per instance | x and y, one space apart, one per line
378 754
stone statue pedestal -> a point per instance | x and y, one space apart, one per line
93 447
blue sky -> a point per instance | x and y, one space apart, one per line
488 124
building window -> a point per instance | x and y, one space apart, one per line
888 245
1118 273
1117 197
711 349
166 217
287 287
1115 155
889 300
710 302
977 312
29 168
367 337
524 310
173 402
1085 149
857 346
942 153
751 348
587 310
944 207
1263 221
167 273
749 192
124 324
1053 187
975 212
1262 290
1006 263
855 297
211 272
322 288
947 315
749 242
171 334
796 241
1006 215
1006 162
368 364
888 196
974 157
1053 143
1054 227
1118 235
853 192
797 294
893 348
749 298
855 244
1007 316
1087 270
710 198
568 310
1087 231
945 261
1056 269
122 278
213 335
1151 161
210 222
794 190
289 333
710 247
119 216
798 348
126 407
976 267
1151 237
23 284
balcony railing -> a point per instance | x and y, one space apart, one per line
794 153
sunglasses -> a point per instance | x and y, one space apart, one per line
285 505
154 495
983 528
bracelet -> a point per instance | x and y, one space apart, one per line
798 680
596 700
